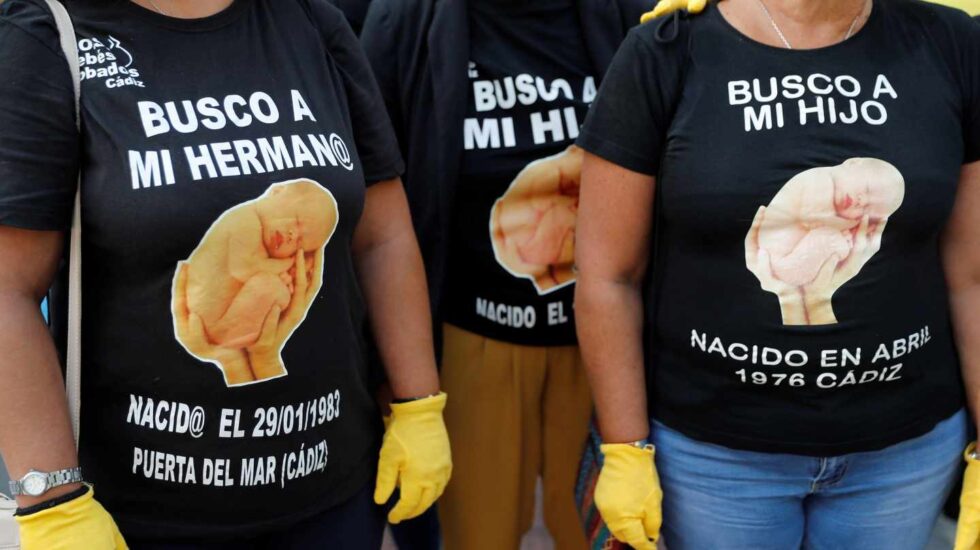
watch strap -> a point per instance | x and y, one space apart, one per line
64 477
54 479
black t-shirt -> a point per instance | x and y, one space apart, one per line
354 11
219 398
511 254
744 346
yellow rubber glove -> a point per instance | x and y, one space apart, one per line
415 456
971 7
968 526
79 524
628 495
664 7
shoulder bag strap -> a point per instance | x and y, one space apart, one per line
73 374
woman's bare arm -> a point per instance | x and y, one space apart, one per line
612 248
389 266
961 259
35 430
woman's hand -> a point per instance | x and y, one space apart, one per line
191 333
309 279
79 524
837 271
265 353
757 260
533 223
968 526
818 302
415 456
867 243
628 495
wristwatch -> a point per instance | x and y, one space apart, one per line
35 483
644 444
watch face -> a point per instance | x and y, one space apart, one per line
34 484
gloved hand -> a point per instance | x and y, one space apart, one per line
415 456
79 524
968 526
628 495
664 7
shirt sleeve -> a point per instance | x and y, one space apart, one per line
39 142
628 121
374 136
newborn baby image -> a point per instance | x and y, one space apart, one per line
815 215
246 263
532 226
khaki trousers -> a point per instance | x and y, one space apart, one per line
514 413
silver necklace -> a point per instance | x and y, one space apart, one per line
156 7
775 27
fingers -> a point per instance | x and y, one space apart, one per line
179 298
195 330
411 496
297 307
271 320
236 369
268 333
195 337
967 529
760 216
752 237
119 542
764 270
425 501
823 284
264 354
653 515
301 280
441 488
387 479
180 291
313 282
827 269
861 240
631 532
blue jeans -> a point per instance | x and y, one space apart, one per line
726 499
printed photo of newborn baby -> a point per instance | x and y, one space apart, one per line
822 227
242 280
532 226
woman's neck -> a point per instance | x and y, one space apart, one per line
805 24
185 9
815 12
